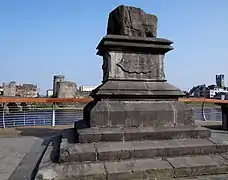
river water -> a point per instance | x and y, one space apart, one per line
68 117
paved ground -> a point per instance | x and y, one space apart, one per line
12 151
16 143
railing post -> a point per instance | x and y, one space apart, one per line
224 109
24 117
53 114
203 112
3 116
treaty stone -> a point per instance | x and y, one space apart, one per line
132 21
134 91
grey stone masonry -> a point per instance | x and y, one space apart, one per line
89 135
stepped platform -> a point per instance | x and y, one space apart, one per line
202 156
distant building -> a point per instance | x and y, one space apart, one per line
220 80
199 91
22 90
9 89
56 79
66 89
49 93
26 90
87 88
215 91
218 91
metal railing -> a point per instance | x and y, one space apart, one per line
67 116
45 112
40 117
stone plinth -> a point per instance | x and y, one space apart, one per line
134 90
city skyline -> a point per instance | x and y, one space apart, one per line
40 39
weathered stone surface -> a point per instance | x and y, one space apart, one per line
77 152
134 66
221 141
209 177
85 171
100 134
133 44
139 169
140 113
199 165
132 21
143 133
131 134
138 89
112 151
151 149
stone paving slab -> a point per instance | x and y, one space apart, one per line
210 177
85 171
12 151
139 169
198 165
131 169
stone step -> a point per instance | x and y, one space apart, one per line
206 177
109 151
144 133
137 169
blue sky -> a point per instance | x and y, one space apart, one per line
40 38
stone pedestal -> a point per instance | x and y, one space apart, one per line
138 128
134 91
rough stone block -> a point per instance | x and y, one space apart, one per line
140 113
139 169
132 21
77 152
199 165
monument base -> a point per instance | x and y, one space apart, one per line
137 104
138 113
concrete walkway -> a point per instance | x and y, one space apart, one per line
12 151
20 148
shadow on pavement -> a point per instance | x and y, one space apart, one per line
39 132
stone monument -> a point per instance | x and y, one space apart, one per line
135 128
134 92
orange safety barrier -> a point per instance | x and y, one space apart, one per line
86 100
44 100
206 100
